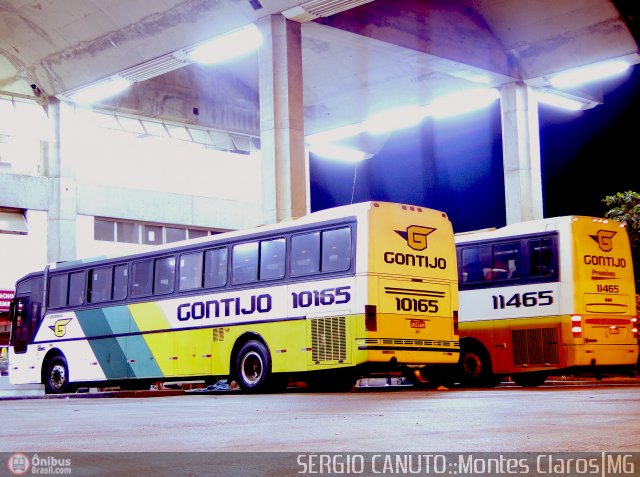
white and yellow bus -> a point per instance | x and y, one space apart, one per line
546 297
342 293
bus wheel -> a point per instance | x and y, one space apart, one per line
529 380
56 379
252 367
475 369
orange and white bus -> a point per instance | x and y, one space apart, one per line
546 297
341 293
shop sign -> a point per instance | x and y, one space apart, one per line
5 299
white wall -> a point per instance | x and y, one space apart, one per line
22 254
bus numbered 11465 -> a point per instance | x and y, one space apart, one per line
353 291
546 297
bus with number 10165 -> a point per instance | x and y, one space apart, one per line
360 290
546 298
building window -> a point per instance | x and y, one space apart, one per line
128 232
152 235
122 231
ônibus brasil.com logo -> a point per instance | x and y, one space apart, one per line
20 464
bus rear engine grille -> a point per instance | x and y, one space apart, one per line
535 347
329 339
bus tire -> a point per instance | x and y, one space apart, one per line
529 380
475 369
253 367
56 378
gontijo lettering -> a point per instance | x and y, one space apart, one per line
605 261
232 306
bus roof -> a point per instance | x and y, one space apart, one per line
335 213
528 227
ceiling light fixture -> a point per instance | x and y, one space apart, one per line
101 90
462 102
336 134
341 153
225 47
589 73
394 119
558 101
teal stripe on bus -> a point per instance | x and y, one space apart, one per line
119 357
109 351
142 362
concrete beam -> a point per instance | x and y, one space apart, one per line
162 207
285 183
521 154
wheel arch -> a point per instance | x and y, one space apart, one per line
467 343
51 354
240 342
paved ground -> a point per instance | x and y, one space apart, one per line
559 418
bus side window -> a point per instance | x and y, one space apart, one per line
305 254
99 286
120 282
190 271
215 267
164 275
141 278
506 261
58 287
77 289
541 258
272 259
336 250
245 263
476 261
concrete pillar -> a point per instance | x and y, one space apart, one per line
521 153
62 211
285 176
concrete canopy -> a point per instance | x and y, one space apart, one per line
356 62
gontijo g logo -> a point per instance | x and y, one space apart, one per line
604 239
59 328
416 236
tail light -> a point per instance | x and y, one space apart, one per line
634 326
370 318
455 322
576 326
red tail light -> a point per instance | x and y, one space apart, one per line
455 322
576 326
370 318
634 326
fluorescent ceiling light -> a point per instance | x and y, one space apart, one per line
100 90
558 101
394 119
335 134
341 153
224 47
462 102
588 73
